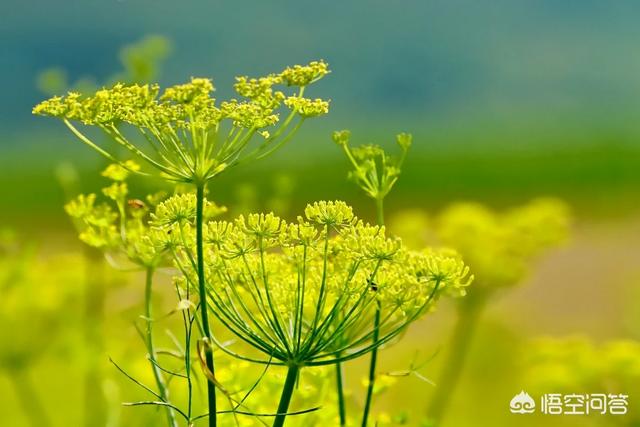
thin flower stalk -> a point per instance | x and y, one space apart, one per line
158 376
206 331
342 407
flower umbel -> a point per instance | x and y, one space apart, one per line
192 137
306 292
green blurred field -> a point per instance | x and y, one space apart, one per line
598 177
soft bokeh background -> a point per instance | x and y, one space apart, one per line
506 100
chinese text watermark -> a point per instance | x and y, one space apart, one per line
571 404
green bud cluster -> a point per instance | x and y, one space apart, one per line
374 171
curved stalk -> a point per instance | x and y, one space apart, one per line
468 314
157 374
285 398
206 331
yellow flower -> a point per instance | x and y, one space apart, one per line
299 75
307 107
307 292
335 214
177 131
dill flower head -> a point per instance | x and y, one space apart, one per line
181 209
192 136
446 266
300 75
373 170
307 107
98 221
499 247
123 226
306 292
330 213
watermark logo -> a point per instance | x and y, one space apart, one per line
522 403
571 404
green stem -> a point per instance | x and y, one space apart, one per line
376 333
285 398
341 404
157 374
372 368
468 315
206 331
28 397
380 211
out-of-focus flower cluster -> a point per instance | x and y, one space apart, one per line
500 246
578 365
35 290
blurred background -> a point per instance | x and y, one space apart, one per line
507 101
